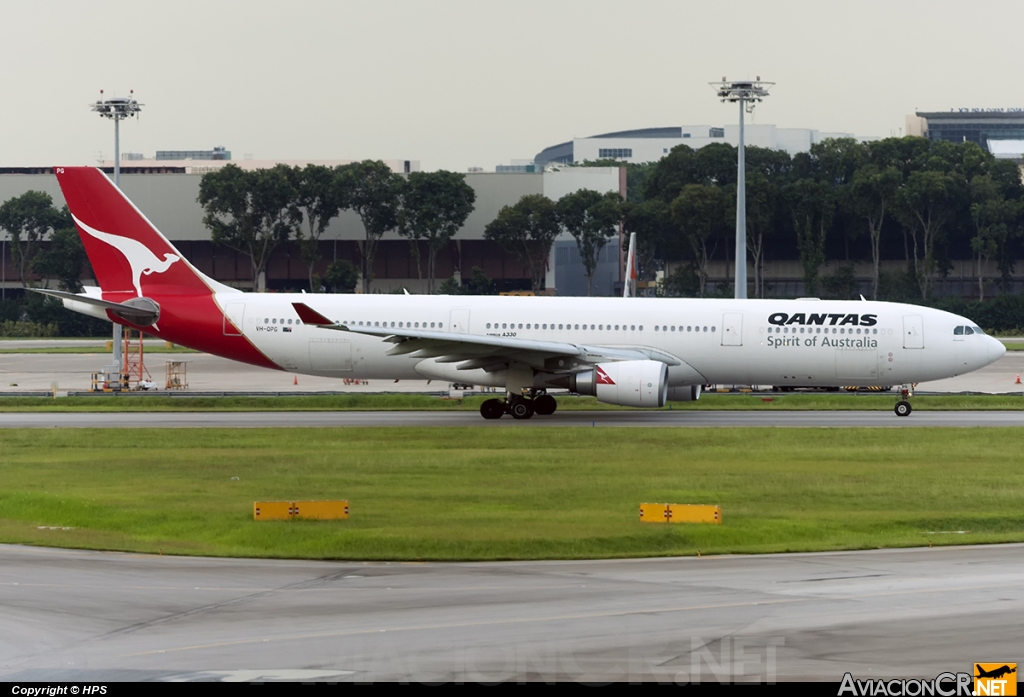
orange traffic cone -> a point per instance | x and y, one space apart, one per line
1017 381
295 380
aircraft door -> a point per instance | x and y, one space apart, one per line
234 314
459 321
732 329
913 332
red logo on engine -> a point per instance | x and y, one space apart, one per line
602 377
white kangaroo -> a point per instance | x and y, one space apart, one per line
139 256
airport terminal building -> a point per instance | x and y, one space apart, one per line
1000 131
652 144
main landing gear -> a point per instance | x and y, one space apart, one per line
903 407
519 406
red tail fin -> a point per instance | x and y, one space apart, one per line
127 253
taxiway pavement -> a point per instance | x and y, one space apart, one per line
96 617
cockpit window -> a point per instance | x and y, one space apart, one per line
959 331
977 330
968 330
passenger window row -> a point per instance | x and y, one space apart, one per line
354 323
818 330
552 326
396 325
672 328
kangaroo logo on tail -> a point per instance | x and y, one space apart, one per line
140 258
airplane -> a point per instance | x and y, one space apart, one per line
631 351
994 673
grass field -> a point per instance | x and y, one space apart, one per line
408 402
483 494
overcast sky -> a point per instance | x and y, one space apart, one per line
457 84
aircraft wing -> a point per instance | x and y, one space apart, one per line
490 353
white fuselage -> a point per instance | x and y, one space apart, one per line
776 342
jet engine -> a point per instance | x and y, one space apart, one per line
686 393
627 383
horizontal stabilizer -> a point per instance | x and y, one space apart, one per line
141 311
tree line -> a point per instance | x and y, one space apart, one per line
255 211
42 241
926 203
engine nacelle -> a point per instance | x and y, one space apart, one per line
686 393
626 383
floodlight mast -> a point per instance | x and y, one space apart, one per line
748 93
117 109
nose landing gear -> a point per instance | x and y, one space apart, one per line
519 406
903 407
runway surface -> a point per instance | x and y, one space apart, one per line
96 617
586 419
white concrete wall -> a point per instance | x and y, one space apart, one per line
565 181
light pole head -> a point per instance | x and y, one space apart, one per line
117 108
749 91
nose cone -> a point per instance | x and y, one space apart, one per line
996 349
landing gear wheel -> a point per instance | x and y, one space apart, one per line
903 408
521 408
492 409
544 405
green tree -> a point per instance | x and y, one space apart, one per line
683 282
716 164
250 211
701 214
592 219
992 216
926 201
657 237
478 284
812 206
671 174
376 195
838 159
1006 174
342 276
870 196
527 230
65 258
320 195
762 195
28 220
434 206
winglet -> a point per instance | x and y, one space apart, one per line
310 316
